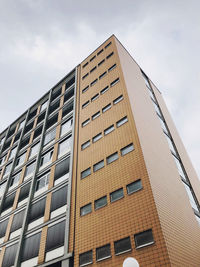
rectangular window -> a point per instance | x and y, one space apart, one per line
112 158
50 136
122 246
62 171
8 201
85 145
55 236
101 62
122 121
2 188
42 181
31 247
66 126
85 65
24 192
114 82
85 89
15 179
30 169
134 187
94 97
46 158
85 173
99 165
34 150
93 83
110 55
7 169
104 90
67 109
97 137
44 106
3 227
37 210
64 146
96 115
56 93
125 150
108 45
86 209
99 52
106 108
103 252
12 153
85 122
92 58
109 129
85 258
85 76
118 194
118 99
21 125
102 75
86 104
17 221
3 159
93 69
20 160
112 67
53 107
9 256
59 198
101 202
144 239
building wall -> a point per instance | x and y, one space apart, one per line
178 223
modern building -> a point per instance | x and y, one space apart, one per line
95 172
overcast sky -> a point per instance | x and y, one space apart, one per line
41 41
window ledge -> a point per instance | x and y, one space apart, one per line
105 258
125 251
145 245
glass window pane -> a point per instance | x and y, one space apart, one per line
144 239
125 150
64 146
86 209
85 173
122 121
55 236
109 129
101 202
122 246
112 158
103 252
134 187
66 126
85 258
116 195
98 166
97 137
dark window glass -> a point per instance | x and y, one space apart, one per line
6 145
17 136
85 173
17 221
68 94
101 62
85 258
122 246
112 158
110 55
114 82
37 210
85 89
51 121
86 209
8 202
32 114
116 195
56 93
92 58
112 67
104 90
24 192
109 129
11 132
99 52
121 122
86 104
3 227
55 236
102 75
125 150
92 83
31 247
59 198
57 264
85 64
144 238
9 256
28 127
103 252
54 106
62 168
99 165
134 187
24 142
101 202
93 69
106 108
85 76
37 132
108 45
70 82
67 109
40 118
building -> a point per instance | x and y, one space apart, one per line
95 172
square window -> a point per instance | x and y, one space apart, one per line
114 82
97 137
144 239
118 99
125 150
112 158
96 115
101 202
134 187
85 258
103 253
85 122
122 246
86 209
85 145
118 194
109 129
106 108
99 165
94 97
122 121
104 90
85 173
86 104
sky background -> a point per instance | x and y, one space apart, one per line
41 41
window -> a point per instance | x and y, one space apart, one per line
112 158
67 109
93 69
99 52
59 198
103 252
125 150
92 58
101 202
94 97
68 94
44 106
118 194
55 236
17 221
31 247
3 159
93 83
9 256
85 173
21 124
85 145
85 64
180 168
96 115
56 92
85 76
11 131
8 201
37 210
86 104
24 142
114 82
97 137
30 169
12 153
40 118
46 158
85 89
61 171
16 138
112 67
134 187
85 122
143 239
109 129
122 245
20 160
108 45
102 75
191 197
66 126
86 209
34 150
24 192
7 169
15 179
110 55
50 136
2 188
101 62
28 127
3 227
42 181
85 258
104 90
106 108
122 121
64 146
32 114
99 165
118 99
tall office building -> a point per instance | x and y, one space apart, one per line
95 172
